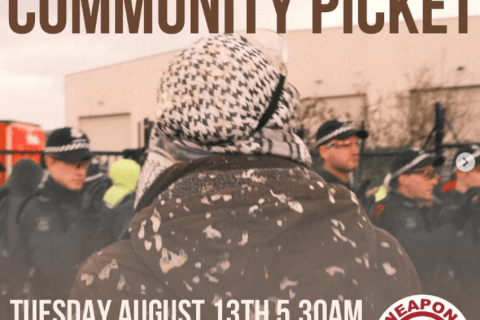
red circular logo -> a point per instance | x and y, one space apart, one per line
422 307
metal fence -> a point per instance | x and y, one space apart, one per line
373 166
104 159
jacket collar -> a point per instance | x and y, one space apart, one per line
333 179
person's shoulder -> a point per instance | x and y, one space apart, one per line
471 206
38 215
473 196
389 208
397 201
105 268
390 202
4 192
39 199
327 176
36 205
128 201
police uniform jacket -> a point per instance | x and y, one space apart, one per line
426 245
333 179
462 240
402 216
54 231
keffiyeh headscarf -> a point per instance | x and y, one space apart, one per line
211 99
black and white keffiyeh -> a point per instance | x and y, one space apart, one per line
211 99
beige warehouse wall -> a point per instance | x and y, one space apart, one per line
113 128
331 64
334 63
385 66
126 88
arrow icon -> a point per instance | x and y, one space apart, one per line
465 162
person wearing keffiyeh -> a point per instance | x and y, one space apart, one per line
227 207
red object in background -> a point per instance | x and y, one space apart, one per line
449 186
18 136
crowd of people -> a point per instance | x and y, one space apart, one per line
225 205
436 223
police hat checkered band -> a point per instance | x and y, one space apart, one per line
344 128
411 164
67 147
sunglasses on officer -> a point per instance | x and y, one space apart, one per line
427 172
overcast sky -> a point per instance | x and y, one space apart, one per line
33 66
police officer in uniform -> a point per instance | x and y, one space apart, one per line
23 180
463 188
338 146
459 218
53 227
407 211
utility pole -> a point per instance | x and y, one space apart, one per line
439 128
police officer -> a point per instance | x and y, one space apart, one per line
338 146
407 211
459 217
52 224
467 178
456 195
23 180
407 208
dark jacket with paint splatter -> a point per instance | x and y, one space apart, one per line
249 227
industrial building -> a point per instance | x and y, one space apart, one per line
383 80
